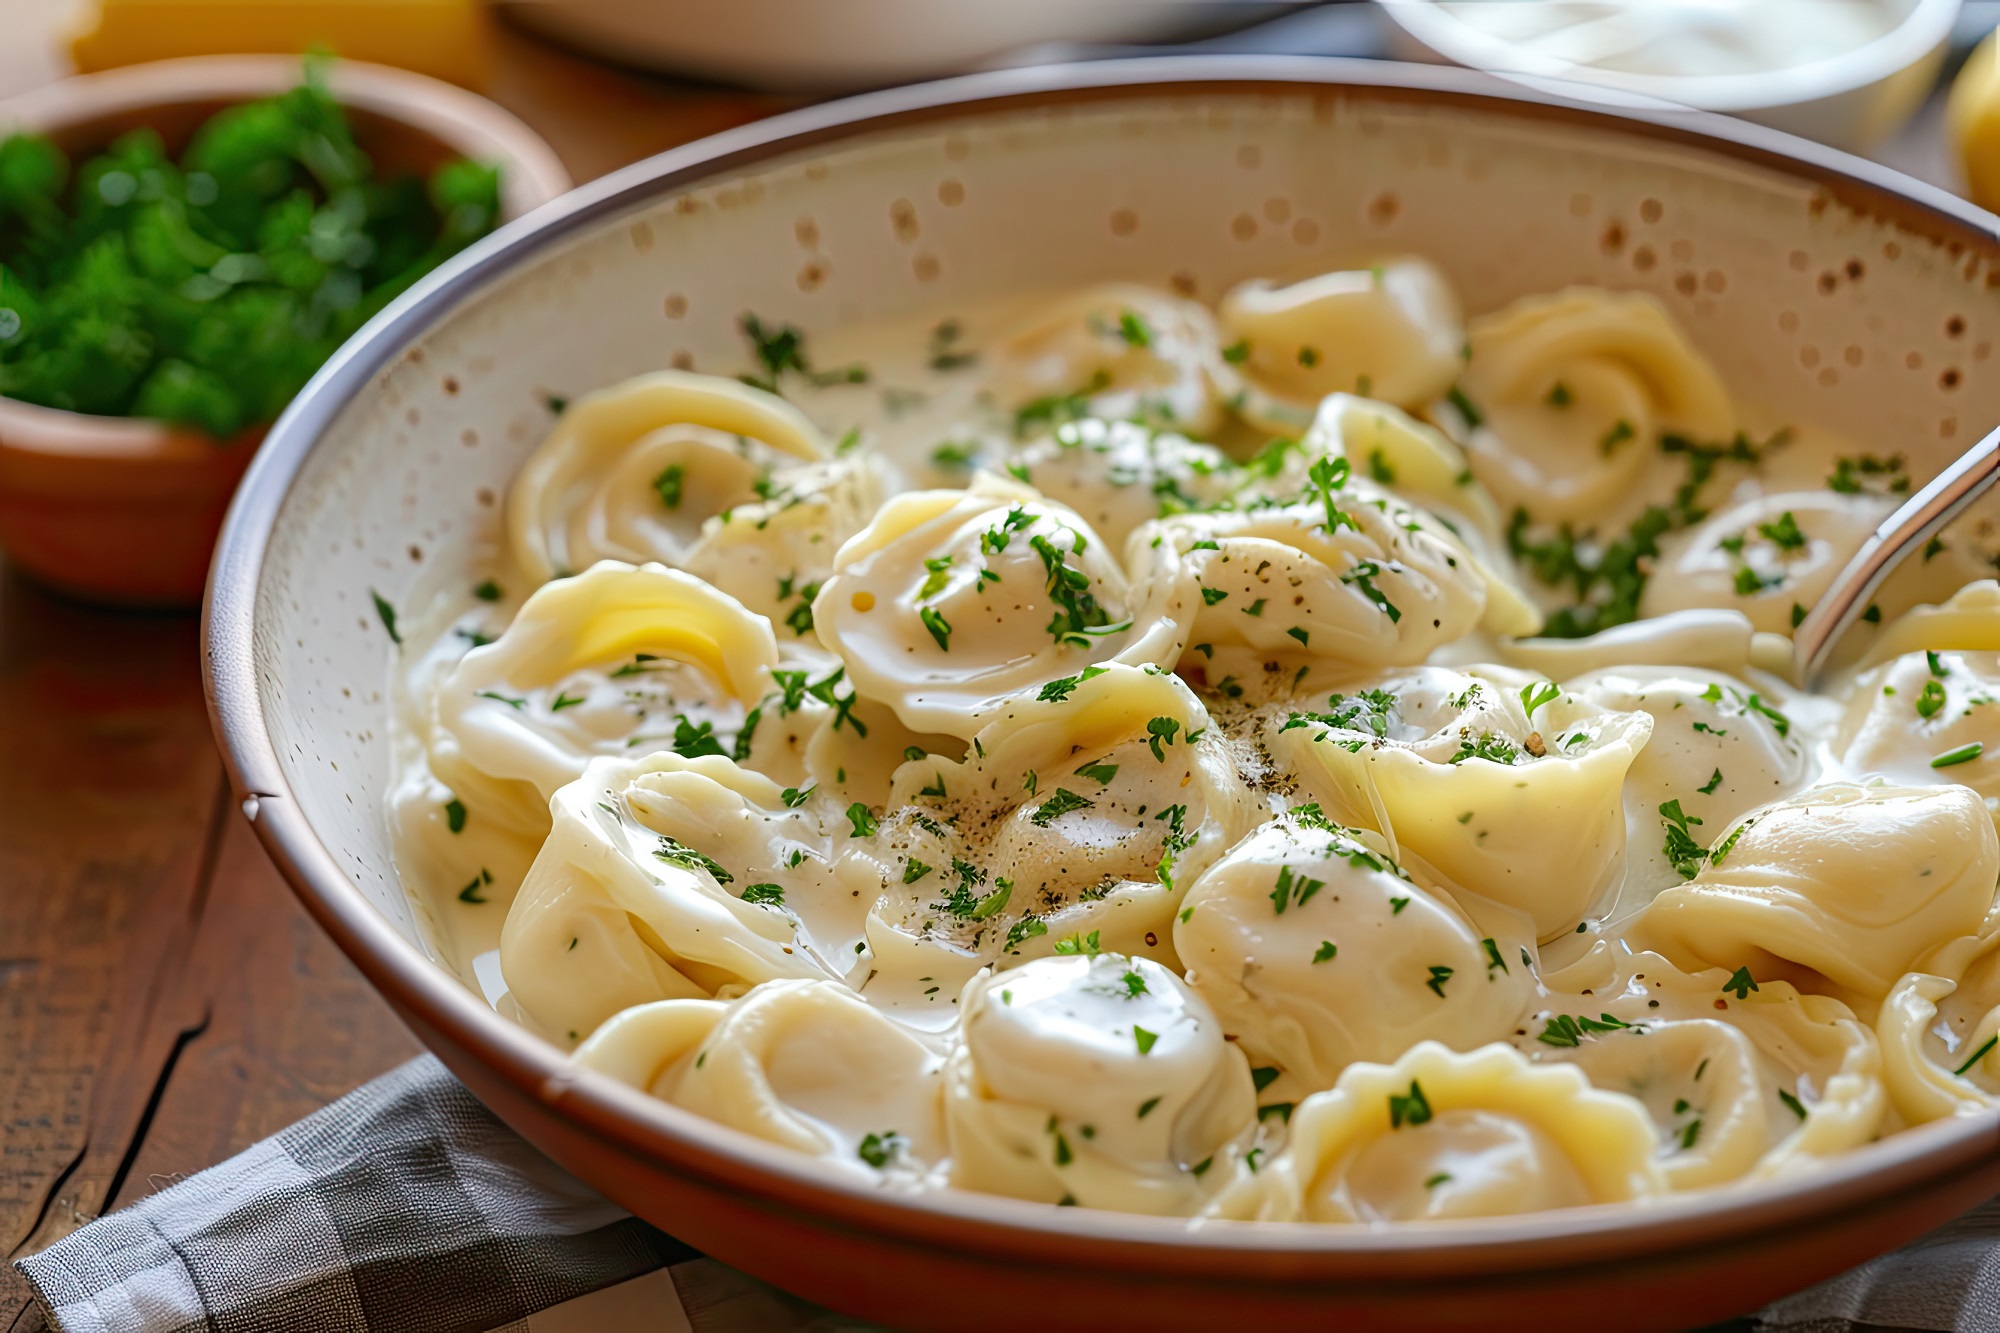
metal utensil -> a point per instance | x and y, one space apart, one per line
1920 518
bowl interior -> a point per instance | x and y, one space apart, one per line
1825 300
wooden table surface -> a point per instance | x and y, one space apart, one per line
164 1001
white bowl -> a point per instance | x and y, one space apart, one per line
1851 100
1832 290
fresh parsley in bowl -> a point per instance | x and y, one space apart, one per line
206 291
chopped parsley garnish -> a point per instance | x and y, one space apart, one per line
1681 850
1792 1103
914 870
1133 329
1099 772
1568 1030
1062 803
1074 946
1964 754
677 853
1439 975
863 819
1024 930
1410 1108
1078 616
489 591
1534 696
1474 418
388 614
1326 478
671 484
1490 746
1060 689
1740 983
471 892
1326 951
692 739
1363 576
766 895
1293 888
1160 732
877 1149
1977 1055
1714 781
564 700
454 815
939 627
1930 699
1783 534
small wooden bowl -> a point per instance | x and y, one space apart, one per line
122 510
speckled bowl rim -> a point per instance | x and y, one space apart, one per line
1545 1244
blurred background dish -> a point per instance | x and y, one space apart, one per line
123 509
1844 72
788 46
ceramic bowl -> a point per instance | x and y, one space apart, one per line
123 510
1831 289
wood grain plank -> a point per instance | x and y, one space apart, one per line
110 789
290 1025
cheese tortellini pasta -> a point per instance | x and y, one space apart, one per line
952 602
1098 1080
1391 331
1439 1134
1563 396
1318 758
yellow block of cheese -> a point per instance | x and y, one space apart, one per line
1974 116
446 39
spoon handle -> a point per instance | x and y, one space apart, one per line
1920 518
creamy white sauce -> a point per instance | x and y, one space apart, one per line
1076 796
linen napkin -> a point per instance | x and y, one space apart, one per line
408 1207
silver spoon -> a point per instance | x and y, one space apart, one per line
1920 518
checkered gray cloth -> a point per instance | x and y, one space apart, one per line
407 1207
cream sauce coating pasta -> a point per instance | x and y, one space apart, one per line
1315 759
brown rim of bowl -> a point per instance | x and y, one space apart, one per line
950 1220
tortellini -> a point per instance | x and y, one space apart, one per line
1773 557
1718 751
1318 951
615 660
1353 576
1466 772
1740 1080
1192 809
1095 1079
1082 812
1419 464
1940 1031
1565 396
1392 331
952 602
1442 1135
670 878
1115 351
1928 718
1851 883
773 554
807 1065
1119 474
631 472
